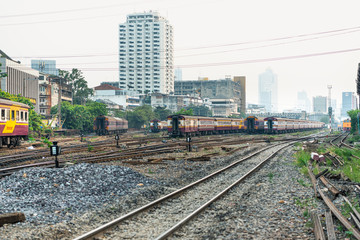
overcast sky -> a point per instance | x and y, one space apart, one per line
309 44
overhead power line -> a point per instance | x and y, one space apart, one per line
339 32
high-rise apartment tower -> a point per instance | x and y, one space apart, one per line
146 54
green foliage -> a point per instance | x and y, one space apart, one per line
46 142
79 116
199 111
79 85
305 203
324 119
271 176
35 123
353 116
302 183
140 116
2 74
162 113
185 112
90 148
302 158
353 138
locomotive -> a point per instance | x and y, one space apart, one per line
182 125
346 125
14 122
105 125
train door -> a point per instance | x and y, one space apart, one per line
100 125
270 124
156 126
250 124
175 125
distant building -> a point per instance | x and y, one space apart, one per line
114 84
178 74
348 103
146 53
320 104
115 95
49 88
174 102
303 102
20 79
268 90
223 107
45 66
215 89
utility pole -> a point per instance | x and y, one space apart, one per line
329 104
59 103
358 83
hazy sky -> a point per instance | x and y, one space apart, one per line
308 44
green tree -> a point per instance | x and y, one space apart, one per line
80 117
185 112
161 113
324 119
200 110
354 122
35 123
96 108
79 85
140 116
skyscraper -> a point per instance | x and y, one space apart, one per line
303 101
348 103
45 66
146 53
320 104
268 88
178 74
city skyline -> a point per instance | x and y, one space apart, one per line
213 41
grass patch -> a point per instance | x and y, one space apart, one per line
302 158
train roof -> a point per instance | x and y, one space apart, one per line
202 117
254 117
9 102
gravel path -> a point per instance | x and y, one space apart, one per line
262 208
236 216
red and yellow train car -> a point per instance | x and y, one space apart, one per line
346 125
14 122
104 125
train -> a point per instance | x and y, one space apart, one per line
14 122
346 125
105 125
157 125
283 125
183 125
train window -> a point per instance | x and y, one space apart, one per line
17 116
26 116
22 115
2 114
12 115
7 114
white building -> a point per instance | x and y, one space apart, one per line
146 54
174 102
20 79
114 95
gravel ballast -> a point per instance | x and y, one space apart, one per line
66 206
50 196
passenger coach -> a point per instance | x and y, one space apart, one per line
14 122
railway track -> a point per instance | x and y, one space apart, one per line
162 217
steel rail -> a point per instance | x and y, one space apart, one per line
222 193
102 229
